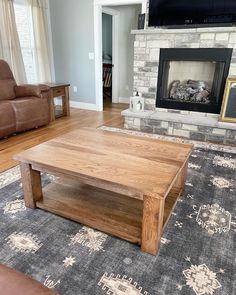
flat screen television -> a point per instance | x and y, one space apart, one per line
192 13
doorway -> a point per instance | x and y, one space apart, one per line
111 7
110 62
107 57
119 42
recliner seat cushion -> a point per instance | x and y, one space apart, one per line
30 112
7 119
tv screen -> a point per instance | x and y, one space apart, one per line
192 12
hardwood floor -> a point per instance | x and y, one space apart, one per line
79 118
115 107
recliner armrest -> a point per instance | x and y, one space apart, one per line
27 90
31 90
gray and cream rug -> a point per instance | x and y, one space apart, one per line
197 254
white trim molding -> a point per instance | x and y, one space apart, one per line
119 2
83 105
110 11
98 55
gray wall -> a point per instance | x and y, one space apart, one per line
107 34
73 38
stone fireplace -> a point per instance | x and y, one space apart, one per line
181 74
192 79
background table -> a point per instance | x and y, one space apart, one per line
59 89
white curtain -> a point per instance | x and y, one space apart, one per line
40 31
10 49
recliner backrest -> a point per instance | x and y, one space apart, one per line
7 81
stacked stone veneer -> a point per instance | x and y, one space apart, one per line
147 48
195 126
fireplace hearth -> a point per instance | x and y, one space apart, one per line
192 79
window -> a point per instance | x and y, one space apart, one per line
25 31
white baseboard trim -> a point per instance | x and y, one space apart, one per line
123 99
83 105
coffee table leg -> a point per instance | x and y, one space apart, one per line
180 182
31 181
153 211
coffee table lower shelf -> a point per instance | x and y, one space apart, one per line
103 210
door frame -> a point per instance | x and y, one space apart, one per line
98 4
115 53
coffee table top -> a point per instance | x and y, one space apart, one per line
130 165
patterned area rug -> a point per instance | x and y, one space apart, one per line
197 254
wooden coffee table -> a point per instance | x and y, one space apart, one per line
123 185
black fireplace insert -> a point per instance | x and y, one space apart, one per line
192 78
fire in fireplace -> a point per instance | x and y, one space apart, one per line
192 79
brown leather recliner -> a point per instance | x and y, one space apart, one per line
15 283
21 107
